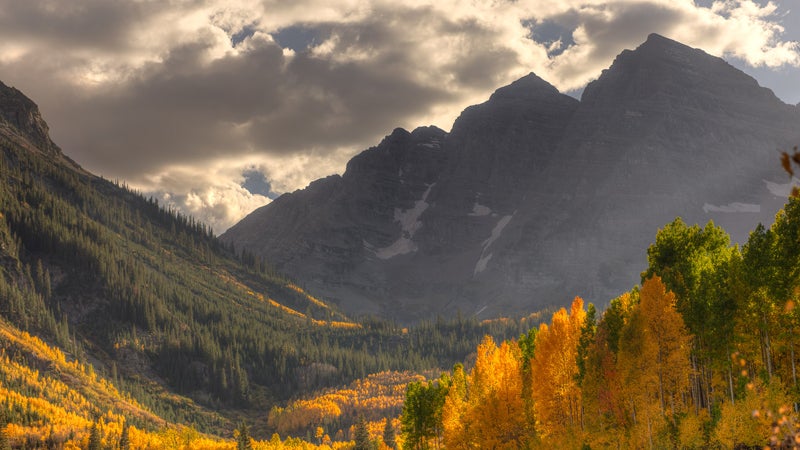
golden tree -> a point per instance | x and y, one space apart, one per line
556 393
653 361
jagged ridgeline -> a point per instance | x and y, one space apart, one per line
151 298
534 197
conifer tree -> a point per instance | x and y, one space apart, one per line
4 444
94 438
243 441
125 439
389 434
361 438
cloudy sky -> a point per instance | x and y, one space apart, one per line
217 106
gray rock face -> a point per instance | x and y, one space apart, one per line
339 231
533 197
22 115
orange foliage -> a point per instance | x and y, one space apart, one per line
497 411
61 415
556 393
313 300
376 397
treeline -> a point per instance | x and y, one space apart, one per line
703 355
104 272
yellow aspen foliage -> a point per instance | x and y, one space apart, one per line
762 416
455 430
691 430
496 412
653 361
671 343
377 396
485 409
555 390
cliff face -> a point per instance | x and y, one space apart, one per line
534 197
19 114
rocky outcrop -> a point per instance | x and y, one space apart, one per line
22 115
534 197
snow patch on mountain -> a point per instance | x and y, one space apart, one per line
401 246
735 207
480 266
409 224
479 210
782 189
497 231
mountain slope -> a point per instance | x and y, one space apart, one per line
329 229
541 197
153 298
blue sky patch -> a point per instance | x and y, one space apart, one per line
256 183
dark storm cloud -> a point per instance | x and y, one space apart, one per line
92 24
339 104
186 108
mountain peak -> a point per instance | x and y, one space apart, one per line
528 87
662 66
420 135
659 47
21 113
657 39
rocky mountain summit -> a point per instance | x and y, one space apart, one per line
21 114
22 122
534 197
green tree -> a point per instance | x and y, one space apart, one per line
95 440
243 441
587 337
691 261
422 413
4 444
362 441
389 434
125 439
758 303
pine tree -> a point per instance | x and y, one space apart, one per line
4 444
94 438
243 441
389 434
125 439
362 435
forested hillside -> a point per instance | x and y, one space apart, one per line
151 300
702 355
48 400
